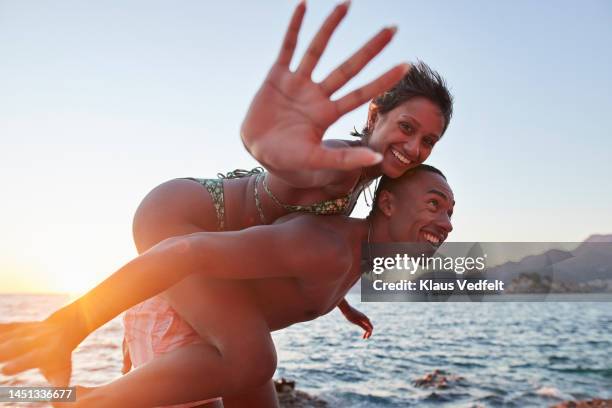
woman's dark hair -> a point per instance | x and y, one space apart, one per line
421 81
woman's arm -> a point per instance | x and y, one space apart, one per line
356 317
290 113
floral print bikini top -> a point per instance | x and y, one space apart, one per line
341 206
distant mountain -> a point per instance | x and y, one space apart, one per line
599 238
591 260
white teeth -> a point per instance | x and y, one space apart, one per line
400 157
432 238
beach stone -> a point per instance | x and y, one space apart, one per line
592 403
438 379
289 397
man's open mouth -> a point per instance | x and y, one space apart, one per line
433 238
401 158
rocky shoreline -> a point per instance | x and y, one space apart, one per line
593 403
289 397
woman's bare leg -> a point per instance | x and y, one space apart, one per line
174 208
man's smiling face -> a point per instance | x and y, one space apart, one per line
420 209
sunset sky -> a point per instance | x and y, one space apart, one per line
102 101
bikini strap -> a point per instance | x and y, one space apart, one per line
239 173
257 199
287 207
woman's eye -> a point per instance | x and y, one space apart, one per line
406 127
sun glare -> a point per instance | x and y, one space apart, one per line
73 282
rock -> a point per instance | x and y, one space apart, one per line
592 403
284 385
289 397
438 379
551 392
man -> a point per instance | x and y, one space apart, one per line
252 282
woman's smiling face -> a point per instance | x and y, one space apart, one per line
406 135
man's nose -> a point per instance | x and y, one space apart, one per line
445 223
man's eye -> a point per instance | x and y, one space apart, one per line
433 204
429 142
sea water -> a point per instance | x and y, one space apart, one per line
508 354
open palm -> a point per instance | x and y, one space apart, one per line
290 113
45 345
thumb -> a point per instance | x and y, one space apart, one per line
346 158
58 377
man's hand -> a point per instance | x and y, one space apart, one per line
290 113
356 317
42 345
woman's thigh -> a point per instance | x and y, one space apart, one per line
176 207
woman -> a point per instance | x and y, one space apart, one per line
283 130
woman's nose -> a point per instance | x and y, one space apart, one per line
411 148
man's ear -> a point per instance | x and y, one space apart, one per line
386 202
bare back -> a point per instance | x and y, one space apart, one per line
281 302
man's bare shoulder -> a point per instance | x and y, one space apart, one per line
319 238
316 224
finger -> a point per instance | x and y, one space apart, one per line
319 42
14 348
367 92
58 377
347 158
352 66
5 327
12 330
23 363
291 36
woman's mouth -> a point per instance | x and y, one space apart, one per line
401 158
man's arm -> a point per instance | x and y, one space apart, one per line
284 249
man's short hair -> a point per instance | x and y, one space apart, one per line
392 184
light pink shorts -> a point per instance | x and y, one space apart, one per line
153 328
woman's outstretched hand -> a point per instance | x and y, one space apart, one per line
44 345
290 113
